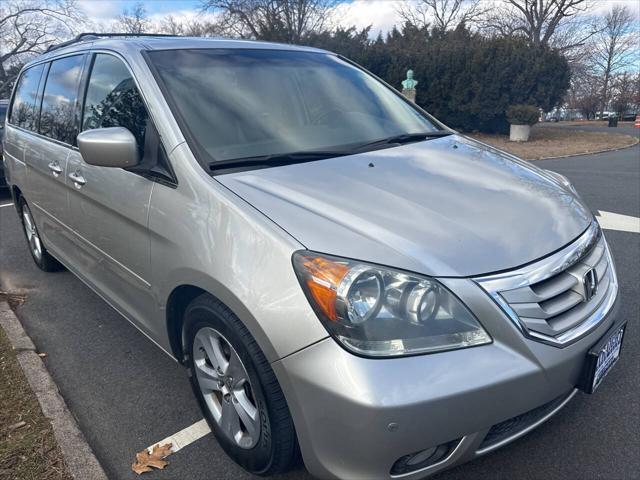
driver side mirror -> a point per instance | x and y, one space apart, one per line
109 147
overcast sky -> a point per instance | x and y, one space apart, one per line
381 14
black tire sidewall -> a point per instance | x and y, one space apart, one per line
259 458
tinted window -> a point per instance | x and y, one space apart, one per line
243 103
57 119
23 112
113 100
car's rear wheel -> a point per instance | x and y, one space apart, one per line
237 389
41 256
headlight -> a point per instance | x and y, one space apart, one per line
377 311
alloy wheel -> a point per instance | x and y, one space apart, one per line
32 234
226 388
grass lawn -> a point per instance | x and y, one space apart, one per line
556 142
600 123
28 449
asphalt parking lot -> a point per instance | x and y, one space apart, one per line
127 394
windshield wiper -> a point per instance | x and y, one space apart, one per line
274 160
403 139
280 159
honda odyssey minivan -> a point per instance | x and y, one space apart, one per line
342 275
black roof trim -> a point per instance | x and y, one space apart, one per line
95 36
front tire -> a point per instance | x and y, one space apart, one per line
237 389
42 258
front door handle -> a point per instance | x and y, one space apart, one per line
55 168
77 179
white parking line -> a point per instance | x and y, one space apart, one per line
185 437
617 221
6 205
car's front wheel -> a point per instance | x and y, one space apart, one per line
237 389
43 259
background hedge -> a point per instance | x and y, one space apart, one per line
466 80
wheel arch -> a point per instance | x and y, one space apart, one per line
185 292
178 301
16 195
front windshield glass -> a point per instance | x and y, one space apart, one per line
238 103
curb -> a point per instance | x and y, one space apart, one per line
78 456
637 140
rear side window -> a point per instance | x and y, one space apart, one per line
57 118
113 99
23 112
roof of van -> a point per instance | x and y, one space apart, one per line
149 42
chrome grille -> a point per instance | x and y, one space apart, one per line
563 297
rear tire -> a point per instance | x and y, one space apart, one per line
42 258
264 442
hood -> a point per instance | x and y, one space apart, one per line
444 207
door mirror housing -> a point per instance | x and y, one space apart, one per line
109 147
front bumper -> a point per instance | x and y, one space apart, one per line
355 417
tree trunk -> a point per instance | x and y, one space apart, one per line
3 80
605 91
3 75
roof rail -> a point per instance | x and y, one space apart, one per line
95 36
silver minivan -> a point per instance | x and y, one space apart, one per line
342 275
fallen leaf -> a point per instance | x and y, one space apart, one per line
136 467
15 426
161 451
146 460
157 463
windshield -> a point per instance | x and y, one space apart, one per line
237 104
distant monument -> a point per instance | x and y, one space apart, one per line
409 86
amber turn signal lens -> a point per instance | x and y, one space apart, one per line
323 278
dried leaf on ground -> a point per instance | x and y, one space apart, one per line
161 451
146 460
13 299
138 468
16 426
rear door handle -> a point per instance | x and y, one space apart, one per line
55 168
78 180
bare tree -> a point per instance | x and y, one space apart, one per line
584 94
134 20
172 25
636 93
613 48
441 14
28 27
202 28
279 20
190 27
624 93
558 23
